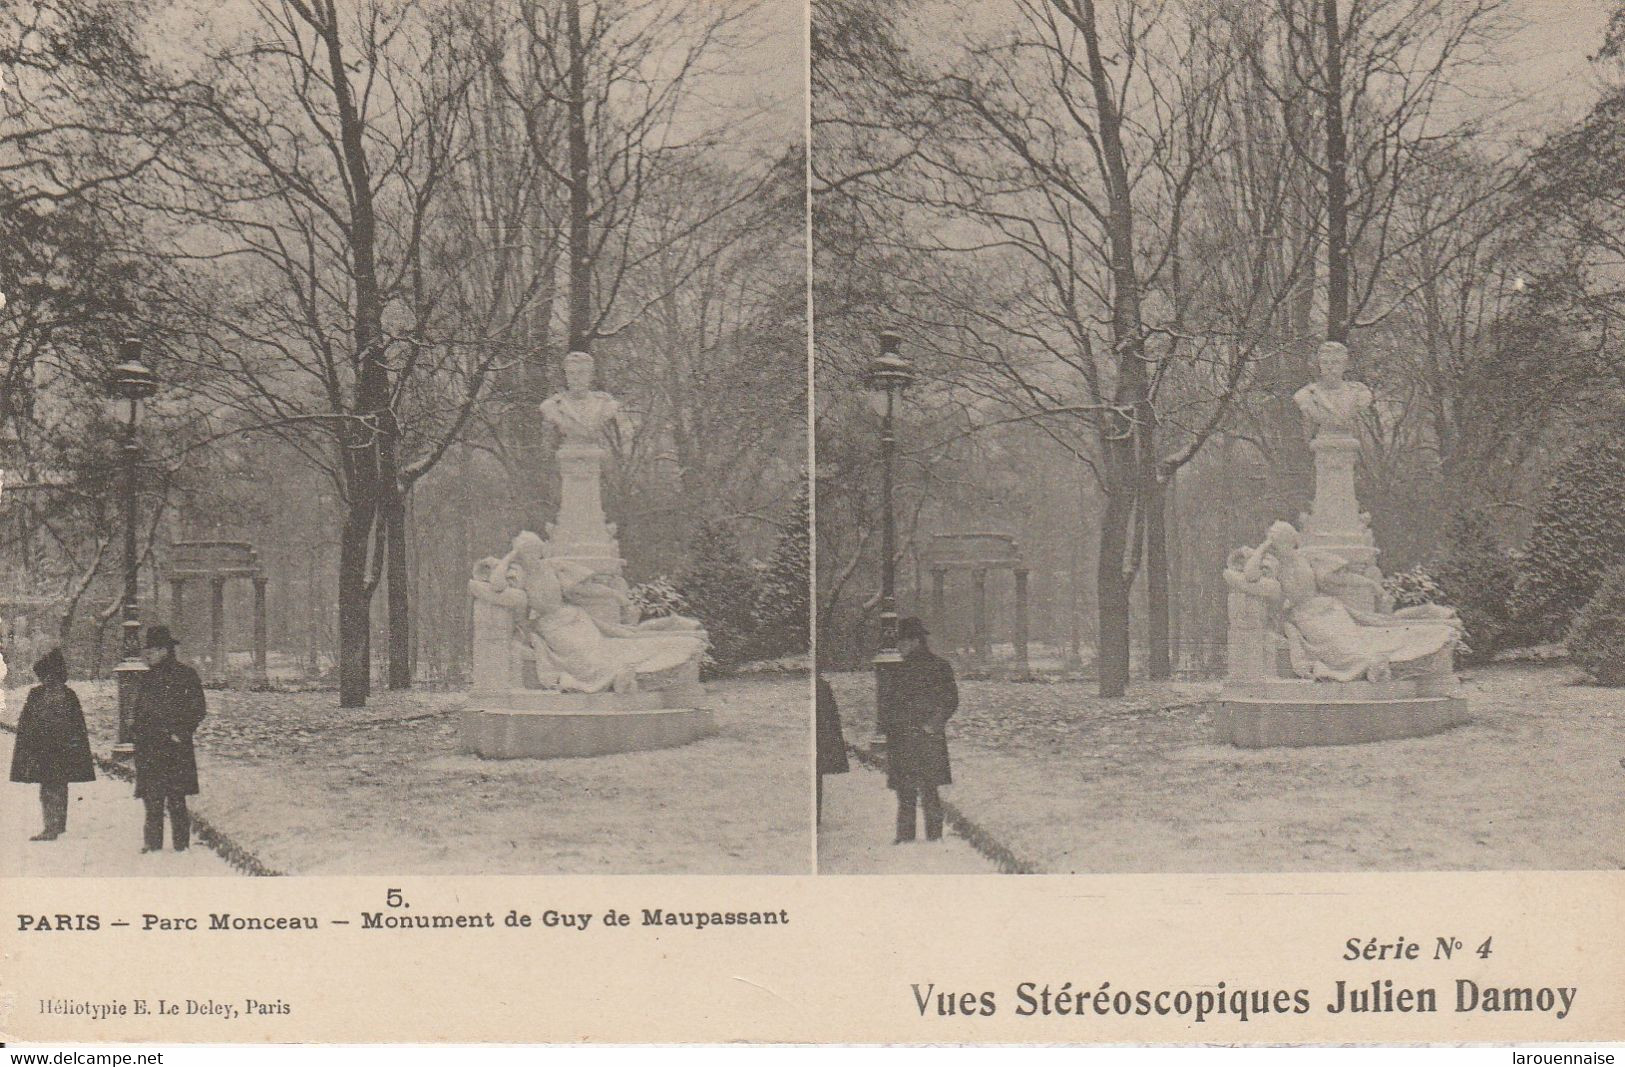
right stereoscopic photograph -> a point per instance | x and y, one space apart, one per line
1220 435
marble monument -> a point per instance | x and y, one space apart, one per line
1316 652
562 665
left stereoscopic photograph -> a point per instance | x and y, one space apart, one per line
402 450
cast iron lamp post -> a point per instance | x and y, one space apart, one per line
886 378
130 382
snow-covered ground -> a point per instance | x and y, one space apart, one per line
103 837
1073 783
860 821
309 788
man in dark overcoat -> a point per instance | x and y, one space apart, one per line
924 699
53 747
169 705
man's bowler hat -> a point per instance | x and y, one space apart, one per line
160 637
911 627
52 665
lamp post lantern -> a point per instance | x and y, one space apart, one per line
130 382
888 375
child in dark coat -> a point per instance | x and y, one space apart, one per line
53 747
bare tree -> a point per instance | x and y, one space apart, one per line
1074 177
319 145
714 370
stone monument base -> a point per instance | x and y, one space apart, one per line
1297 713
541 724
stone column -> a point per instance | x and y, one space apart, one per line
260 677
494 669
939 602
177 604
1336 512
1335 522
581 531
1021 620
1248 648
980 650
217 629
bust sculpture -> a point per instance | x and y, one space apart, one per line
580 412
1330 404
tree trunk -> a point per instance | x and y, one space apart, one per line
1126 433
527 384
1074 655
580 204
370 460
313 616
414 584
1337 208
355 607
398 583
101 641
1290 465
1159 663
1112 592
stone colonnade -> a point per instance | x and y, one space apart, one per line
218 562
979 553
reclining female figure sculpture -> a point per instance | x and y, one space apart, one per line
574 651
1328 639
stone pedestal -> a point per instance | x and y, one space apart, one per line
495 663
552 733
1296 713
546 724
581 535
1334 521
1250 648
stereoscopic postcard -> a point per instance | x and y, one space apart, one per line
870 521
